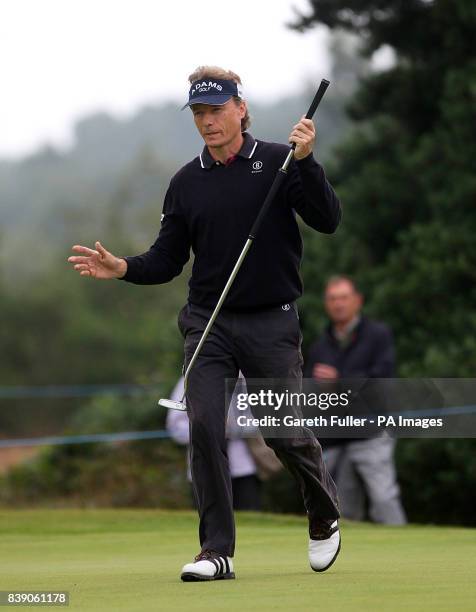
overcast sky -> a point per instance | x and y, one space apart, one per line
61 59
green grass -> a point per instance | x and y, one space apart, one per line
131 559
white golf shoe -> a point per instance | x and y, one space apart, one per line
324 545
208 565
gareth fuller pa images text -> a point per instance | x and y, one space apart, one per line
268 399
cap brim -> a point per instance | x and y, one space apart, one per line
212 100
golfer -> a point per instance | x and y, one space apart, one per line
209 207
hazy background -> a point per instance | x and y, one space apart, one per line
63 60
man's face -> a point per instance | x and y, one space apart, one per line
342 302
219 125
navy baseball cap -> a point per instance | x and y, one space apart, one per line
212 91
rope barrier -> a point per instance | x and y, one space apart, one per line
71 391
123 436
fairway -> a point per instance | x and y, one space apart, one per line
131 559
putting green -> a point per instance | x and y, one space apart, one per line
131 559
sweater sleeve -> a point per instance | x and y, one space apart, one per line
312 196
170 252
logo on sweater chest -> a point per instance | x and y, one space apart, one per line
257 167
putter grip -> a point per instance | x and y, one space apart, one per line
315 103
317 98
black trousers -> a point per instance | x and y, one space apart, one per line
264 344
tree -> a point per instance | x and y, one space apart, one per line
406 177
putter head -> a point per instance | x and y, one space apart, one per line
172 404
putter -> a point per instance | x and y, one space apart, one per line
281 175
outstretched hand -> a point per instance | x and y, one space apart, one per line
99 263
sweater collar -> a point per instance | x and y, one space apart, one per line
247 149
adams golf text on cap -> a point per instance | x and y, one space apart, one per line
213 91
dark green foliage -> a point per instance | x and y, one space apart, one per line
407 179
438 478
142 474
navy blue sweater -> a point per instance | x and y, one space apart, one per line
370 354
210 208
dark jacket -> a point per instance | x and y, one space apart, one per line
370 354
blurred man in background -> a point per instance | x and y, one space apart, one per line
354 346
